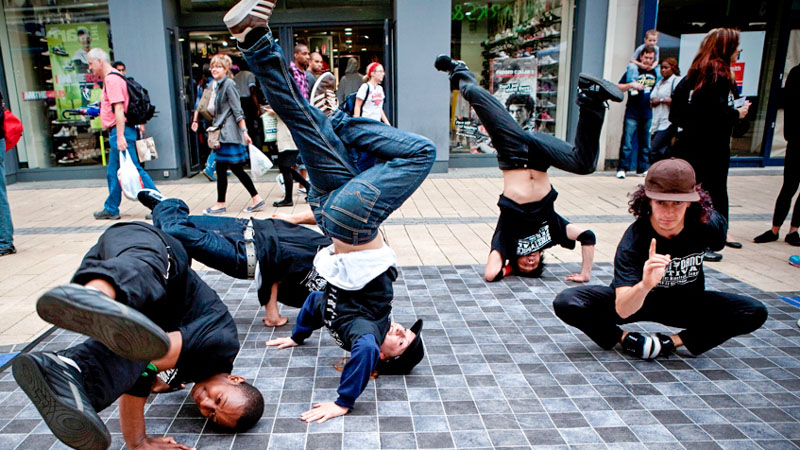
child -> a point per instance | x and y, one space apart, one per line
651 39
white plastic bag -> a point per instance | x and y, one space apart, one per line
259 162
128 176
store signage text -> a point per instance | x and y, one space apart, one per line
32 96
474 13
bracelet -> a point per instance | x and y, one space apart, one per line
244 130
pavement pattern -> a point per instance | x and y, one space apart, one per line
500 371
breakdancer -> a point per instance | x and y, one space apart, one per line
279 255
349 205
658 275
528 223
145 312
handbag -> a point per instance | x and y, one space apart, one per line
146 149
214 134
209 96
128 176
13 129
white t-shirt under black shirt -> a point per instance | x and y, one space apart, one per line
373 101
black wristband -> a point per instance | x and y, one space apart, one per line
587 238
144 383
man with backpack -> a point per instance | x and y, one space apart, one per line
125 104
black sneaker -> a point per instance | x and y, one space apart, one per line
444 63
793 238
247 15
323 94
712 256
122 329
8 251
150 198
667 346
642 346
457 70
598 90
56 390
105 215
767 236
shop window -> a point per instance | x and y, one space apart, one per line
518 52
50 84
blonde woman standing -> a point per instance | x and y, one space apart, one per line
370 96
232 152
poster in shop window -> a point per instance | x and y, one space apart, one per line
69 45
516 77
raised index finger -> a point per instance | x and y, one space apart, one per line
652 247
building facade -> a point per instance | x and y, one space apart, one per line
527 52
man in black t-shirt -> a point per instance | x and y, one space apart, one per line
278 254
527 218
145 311
658 275
638 115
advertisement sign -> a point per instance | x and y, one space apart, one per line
745 71
69 45
513 76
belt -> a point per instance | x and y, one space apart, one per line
250 249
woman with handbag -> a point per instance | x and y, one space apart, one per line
706 105
228 136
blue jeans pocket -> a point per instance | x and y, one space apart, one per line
353 203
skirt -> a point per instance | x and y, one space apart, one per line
231 153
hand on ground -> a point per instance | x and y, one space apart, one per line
322 412
578 277
165 442
281 343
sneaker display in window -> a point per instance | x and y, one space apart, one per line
59 50
546 117
547 60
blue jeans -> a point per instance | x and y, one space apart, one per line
6 227
114 190
217 242
348 204
628 160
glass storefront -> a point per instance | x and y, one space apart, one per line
518 51
47 71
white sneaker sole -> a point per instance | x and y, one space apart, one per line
236 15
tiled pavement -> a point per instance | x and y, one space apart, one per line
500 371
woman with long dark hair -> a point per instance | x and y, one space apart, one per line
705 106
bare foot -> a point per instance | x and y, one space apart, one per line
281 321
285 217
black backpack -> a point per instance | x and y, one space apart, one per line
140 110
349 103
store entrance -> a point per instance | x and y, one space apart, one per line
338 44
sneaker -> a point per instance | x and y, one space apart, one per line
667 345
257 207
8 251
124 330
794 260
598 89
642 346
69 67
150 198
279 180
63 132
793 238
105 215
56 390
547 60
621 174
323 94
712 256
767 236
59 50
246 15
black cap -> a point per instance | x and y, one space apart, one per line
405 362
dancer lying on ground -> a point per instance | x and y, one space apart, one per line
349 205
528 223
658 275
277 254
145 311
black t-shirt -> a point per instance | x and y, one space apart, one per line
529 227
685 272
285 253
638 106
349 315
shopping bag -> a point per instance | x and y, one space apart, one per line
259 162
13 128
129 179
146 149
